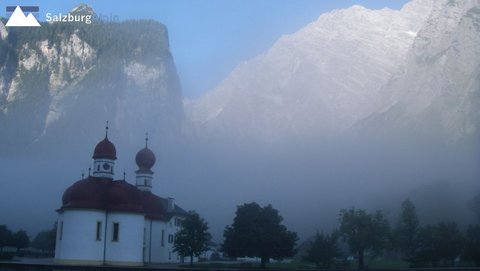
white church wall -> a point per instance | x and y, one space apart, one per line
172 228
147 241
126 247
58 239
77 237
158 243
163 236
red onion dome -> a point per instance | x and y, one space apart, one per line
145 158
105 149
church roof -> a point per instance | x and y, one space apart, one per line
106 194
102 193
154 206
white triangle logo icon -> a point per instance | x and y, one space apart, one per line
19 19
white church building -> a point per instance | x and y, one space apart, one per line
113 222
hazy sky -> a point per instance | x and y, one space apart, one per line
309 182
209 38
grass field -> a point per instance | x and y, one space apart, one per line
294 265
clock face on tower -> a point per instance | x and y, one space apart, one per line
106 166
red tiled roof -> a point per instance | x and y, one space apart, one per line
105 194
154 206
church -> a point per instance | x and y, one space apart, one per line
112 222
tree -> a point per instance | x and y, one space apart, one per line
472 245
20 240
363 231
426 254
440 243
406 231
5 237
257 232
193 237
450 242
474 205
45 240
323 249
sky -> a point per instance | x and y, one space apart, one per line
209 38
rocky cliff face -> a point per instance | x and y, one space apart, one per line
439 89
59 83
351 72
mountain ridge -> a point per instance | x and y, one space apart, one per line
330 78
441 86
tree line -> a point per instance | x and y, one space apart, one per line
258 232
440 244
43 241
255 232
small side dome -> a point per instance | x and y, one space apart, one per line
145 158
105 149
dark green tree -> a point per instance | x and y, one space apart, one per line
471 250
474 205
45 240
439 244
5 237
257 232
364 232
323 249
426 254
20 240
193 237
450 242
405 234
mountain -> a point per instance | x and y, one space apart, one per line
350 72
439 90
60 82
83 9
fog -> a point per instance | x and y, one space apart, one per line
308 178
308 181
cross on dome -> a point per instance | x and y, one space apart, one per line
106 130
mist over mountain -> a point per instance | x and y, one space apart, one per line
355 71
59 83
359 108
438 90
64 80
